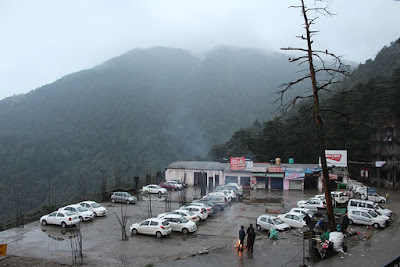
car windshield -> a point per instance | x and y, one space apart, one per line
277 221
372 213
96 205
158 187
190 213
69 213
301 216
165 223
183 220
378 207
81 209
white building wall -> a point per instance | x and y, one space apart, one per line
179 174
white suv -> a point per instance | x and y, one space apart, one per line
359 203
312 204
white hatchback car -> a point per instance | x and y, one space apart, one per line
83 213
180 224
303 211
200 211
98 209
154 189
152 226
312 204
61 217
266 222
375 197
184 213
293 219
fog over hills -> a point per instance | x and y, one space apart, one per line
136 113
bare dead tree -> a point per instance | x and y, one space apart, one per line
322 76
122 222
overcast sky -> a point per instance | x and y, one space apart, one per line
43 40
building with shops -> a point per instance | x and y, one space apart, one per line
285 176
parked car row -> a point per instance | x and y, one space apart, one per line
74 213
184 219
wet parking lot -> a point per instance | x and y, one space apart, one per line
213 244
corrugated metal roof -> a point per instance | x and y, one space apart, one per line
198 165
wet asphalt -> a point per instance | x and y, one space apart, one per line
212 245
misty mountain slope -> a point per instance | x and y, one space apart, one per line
136 113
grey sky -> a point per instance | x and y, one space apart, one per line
43 40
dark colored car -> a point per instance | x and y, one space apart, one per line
220 203
169 186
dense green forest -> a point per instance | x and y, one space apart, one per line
371 91
129 116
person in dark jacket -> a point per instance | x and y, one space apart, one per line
251 238
247 233
242 234
345 223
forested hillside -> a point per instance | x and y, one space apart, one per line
129 116
373 90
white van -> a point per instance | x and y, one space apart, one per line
362 216
358 203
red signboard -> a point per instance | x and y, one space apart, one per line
276 169
238 163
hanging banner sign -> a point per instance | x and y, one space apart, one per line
336 158
276 169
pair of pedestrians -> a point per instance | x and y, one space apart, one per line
251 237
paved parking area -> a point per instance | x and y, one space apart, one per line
212 244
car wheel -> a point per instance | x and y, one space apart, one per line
375 225
134 231
159 192
44 222
185 231
158 235
80 218
63 224
219 208
383 201
350 221
113 200
258 227
127 202
95 214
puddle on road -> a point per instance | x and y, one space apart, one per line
53 239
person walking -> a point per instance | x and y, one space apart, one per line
251 238
242 234
247 233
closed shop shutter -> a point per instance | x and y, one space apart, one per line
295 184
276 183
231 179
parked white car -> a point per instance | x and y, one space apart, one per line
180 224
98 209
361 216
295 220
375 197
152 226
83 213
200 211
361 190
229 193
61 217
266 222
312 204
154 189
303 211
